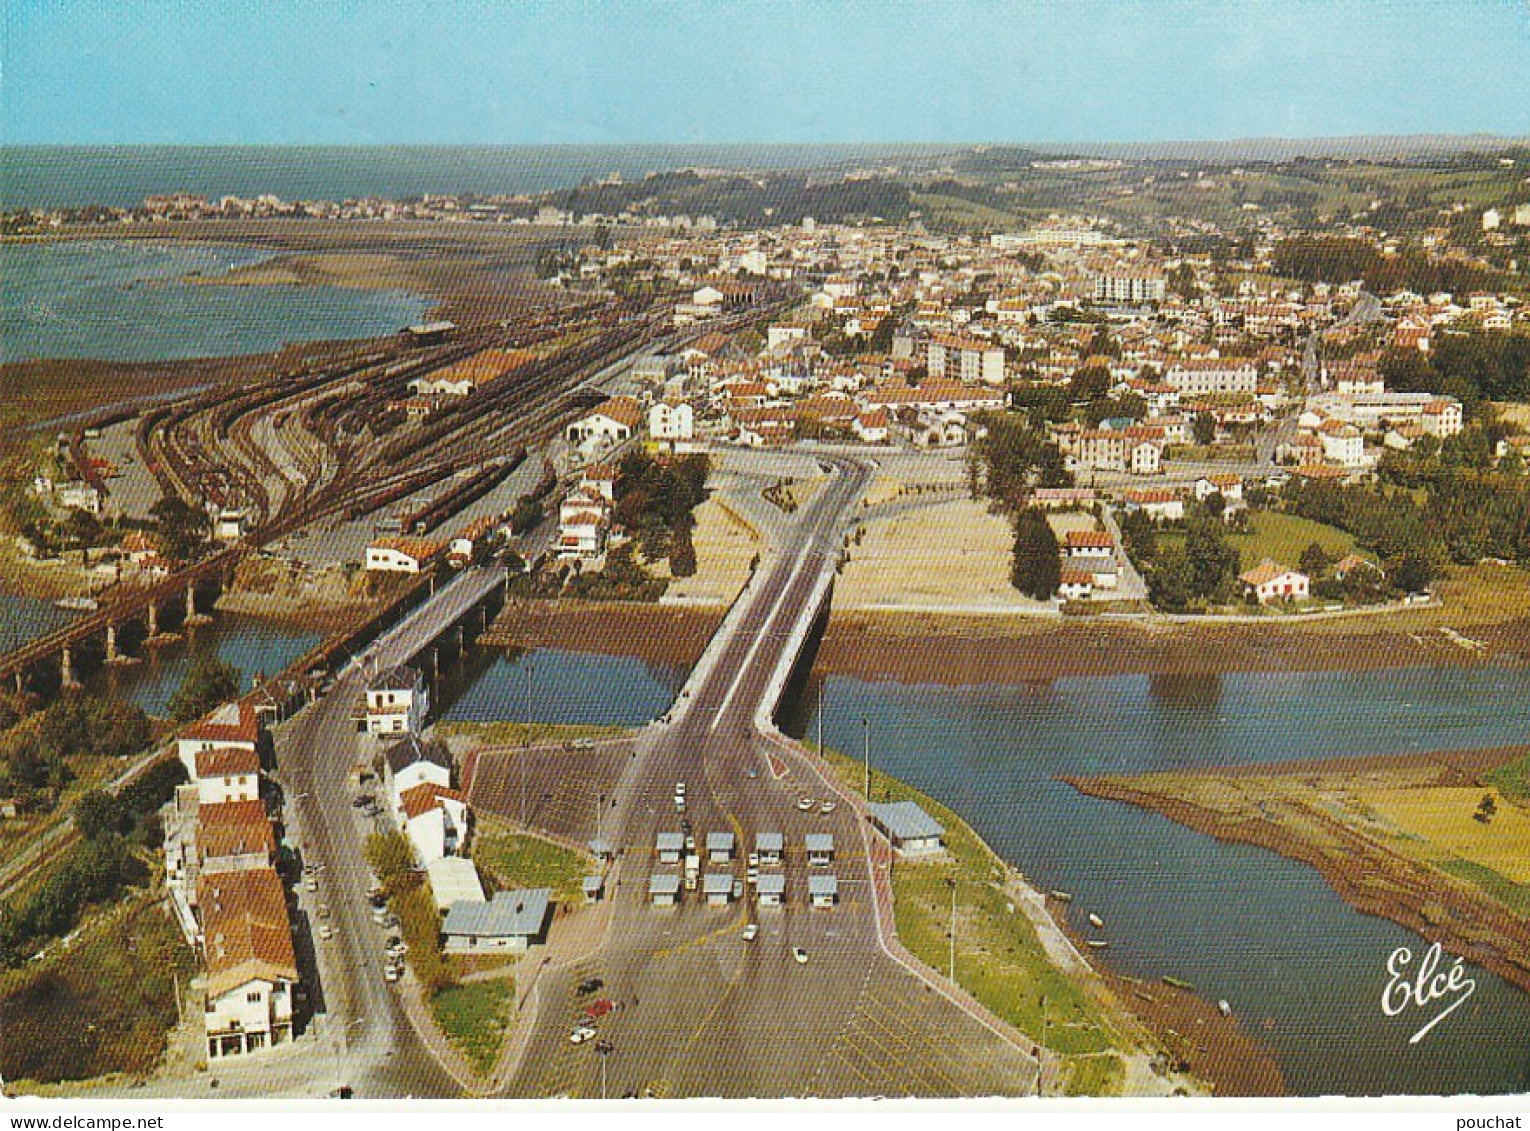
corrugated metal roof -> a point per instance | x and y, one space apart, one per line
717 883
904 820
509 913
823 885
819 842
720 842
768 842
663 883
771 885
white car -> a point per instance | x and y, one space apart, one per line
326 932
751 932
679 789
581 1034
827 807
800 955
805 804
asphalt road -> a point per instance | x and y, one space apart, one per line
703 1012
362 1025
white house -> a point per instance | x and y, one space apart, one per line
397 702
614 422
227 773
1269 582
1076 585
402 555
414 762
251 968
233 726
435 820
671 422
1342 443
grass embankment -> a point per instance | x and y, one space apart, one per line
103 1006
503 733
515 860
999 958
475 1018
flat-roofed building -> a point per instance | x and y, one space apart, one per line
664 889
823 891
820 849
512 920
910 830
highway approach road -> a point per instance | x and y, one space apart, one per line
702 1011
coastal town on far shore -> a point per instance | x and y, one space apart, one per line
1001 418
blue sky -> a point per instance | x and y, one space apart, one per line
584 72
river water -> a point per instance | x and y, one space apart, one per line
1304 971
127 301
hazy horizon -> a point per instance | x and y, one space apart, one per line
1095 72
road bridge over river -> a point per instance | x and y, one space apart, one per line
706 1013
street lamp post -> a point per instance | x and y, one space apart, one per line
604 1048
953 931
526 741
340 1050
866 752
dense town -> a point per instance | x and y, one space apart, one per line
1175 421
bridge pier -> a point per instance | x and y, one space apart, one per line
153 619
66 668
192 616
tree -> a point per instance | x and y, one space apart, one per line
209 682
1037 571
1411 573
1140 537
1204 428
1213 560
98 814
1171 583
1314 560
1487 808
1182 282
182 528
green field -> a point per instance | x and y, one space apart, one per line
475 1018
999 959
103 1006
515 860
1283 537
1514 896
1513 780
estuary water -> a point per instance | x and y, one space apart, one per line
117 300
1302 969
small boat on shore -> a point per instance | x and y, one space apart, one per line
1062 896
1097 944
1177 983
77 604
1223 1007
1095 921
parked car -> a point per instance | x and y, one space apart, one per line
599 1007
827 807
326 932
581 1033
805 804
800 955
751 932
589 986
